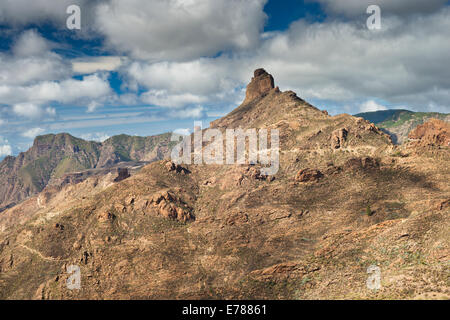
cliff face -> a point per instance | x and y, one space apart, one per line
52 156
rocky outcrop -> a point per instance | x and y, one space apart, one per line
338 137
168 205
172 166
261 84
122 174
361 163
434 132
106 216
308 175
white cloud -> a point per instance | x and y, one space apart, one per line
5 150
96 136
370 106
177 84
31 61
92 106
163 99
67 91
51 112
33 111
28 110
181 30
30 43
5 147
183 131
197 112
32 133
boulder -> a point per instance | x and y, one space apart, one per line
307 175
122 174
361 163
338 137
172 166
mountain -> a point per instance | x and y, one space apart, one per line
344 202
52 156
399 123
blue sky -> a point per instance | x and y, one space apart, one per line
148 67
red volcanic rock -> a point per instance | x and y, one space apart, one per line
433 132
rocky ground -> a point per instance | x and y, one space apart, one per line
344 199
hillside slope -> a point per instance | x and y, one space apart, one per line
341 202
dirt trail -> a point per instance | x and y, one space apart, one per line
41 255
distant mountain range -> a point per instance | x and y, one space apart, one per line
52 156
399 123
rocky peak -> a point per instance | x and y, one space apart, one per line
261 84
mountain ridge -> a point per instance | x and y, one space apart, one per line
53 155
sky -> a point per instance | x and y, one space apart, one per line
145 67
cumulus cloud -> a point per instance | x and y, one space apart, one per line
197 112
96 136
5 150
5 147
30 43
28 110
32 133
182 131
31 61
89 88
370 106
33 111
177 84
181 30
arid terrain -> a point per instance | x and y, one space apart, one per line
344 198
